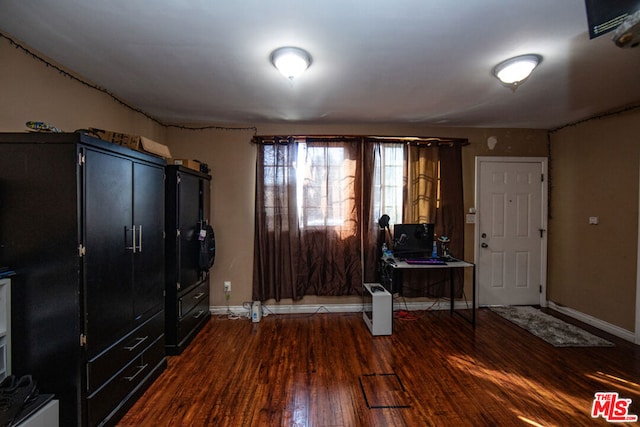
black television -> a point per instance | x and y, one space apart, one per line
412 240
606 15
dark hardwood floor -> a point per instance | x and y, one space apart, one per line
327 370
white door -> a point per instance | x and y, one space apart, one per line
511 203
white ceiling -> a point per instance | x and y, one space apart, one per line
418 61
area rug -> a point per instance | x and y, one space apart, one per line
384 391
551 329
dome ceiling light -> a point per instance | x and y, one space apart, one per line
514 71
291 61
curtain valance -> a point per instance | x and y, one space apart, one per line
410 140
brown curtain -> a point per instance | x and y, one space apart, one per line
277 240
373 235
307 238
421 192
321 236
330 252
447 213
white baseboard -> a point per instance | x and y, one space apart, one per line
267 309
243 311
593 321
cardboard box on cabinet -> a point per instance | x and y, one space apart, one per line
136 142
187 163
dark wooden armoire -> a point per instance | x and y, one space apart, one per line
189 255
81 223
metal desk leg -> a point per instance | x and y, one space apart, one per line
452 288
473 292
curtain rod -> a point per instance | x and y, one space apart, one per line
417 140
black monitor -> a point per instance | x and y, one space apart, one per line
412 240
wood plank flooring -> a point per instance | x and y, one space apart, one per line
327 370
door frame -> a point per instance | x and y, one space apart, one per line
543 161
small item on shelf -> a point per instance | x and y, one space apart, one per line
204 168
386 253
444 244
42 127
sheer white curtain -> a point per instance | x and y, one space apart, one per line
383 184
389 182
308 219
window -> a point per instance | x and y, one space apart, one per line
389 182
323 193
318 201
273 178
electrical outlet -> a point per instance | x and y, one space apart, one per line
227 286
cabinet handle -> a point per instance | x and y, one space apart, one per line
197 297
199 314
140 239
139 341
133 237
138 372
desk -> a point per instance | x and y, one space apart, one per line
393 265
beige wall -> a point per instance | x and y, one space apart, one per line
30 90
594 171
231 157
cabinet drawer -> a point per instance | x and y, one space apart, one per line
197 315
193 298
105 365
110 397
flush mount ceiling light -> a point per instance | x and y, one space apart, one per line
514 71
290 61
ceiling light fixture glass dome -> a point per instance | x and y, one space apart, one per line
514 71
291 61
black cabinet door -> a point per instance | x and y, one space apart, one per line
205 194
108 240
188 224
148 216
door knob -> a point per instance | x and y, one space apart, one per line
484 245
